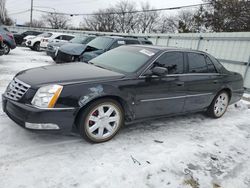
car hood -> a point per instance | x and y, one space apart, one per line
29 37
65 74
73 48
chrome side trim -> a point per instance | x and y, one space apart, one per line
52 109
188 74
170 98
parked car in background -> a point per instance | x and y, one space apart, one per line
20 36
34 42
53 47
55 37
125 84
76 52
1 46
8 39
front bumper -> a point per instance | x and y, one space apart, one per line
30 117
51 53
62 57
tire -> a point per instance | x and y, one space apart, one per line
36 46
6 48
101 120
219 105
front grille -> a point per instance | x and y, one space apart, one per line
16 89
63 57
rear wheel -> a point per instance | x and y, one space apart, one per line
219 105
101 120
6 48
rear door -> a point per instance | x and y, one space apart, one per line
202 81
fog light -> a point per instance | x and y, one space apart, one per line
41 126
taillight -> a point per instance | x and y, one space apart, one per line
10 35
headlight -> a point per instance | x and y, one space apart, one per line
47 96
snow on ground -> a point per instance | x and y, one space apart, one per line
179 152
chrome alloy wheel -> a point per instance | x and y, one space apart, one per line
221 104
6 48
103 121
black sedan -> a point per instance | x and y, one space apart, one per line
19 36
53 47
123 85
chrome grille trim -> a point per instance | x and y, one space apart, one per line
16 89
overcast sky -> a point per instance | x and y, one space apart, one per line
80 6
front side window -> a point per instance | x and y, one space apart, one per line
173 61
67 37
197 63
117 44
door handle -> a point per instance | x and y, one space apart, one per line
215 81
180 83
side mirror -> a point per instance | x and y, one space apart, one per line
160 71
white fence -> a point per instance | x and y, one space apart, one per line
232 49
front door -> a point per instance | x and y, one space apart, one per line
162 95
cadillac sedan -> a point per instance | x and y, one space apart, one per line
122 85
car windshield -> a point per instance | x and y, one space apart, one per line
125 59
100 43
45 35
79 40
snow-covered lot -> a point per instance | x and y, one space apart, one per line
187 151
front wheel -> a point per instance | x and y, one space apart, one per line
6 48
101 120
219 105
36 46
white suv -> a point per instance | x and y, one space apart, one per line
40 41
56 37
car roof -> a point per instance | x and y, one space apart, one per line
120 37
165 48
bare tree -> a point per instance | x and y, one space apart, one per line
167 24
125 22
147 20
186 23
228 15
4 18
36 23
56 21
103 20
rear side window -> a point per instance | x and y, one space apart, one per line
146 42
210 66
173 61
197 63
132 42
